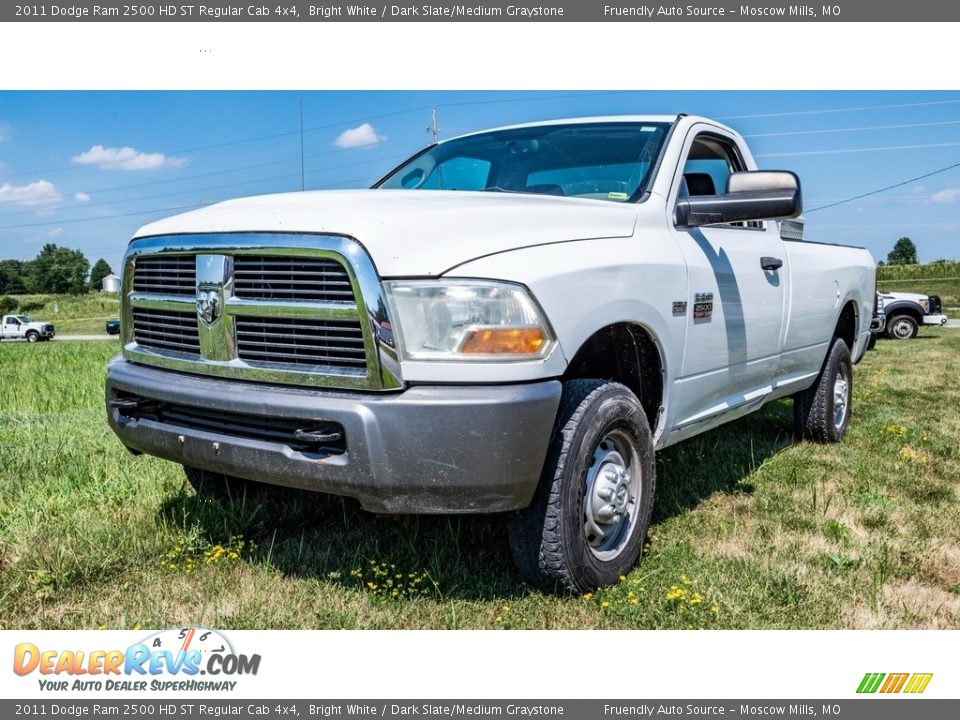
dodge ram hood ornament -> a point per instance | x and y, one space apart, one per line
208 305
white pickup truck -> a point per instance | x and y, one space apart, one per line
904 313
21 327
510 321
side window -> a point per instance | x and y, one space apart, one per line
709 164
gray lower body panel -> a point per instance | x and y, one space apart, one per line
429 449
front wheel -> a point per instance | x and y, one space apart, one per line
902 327
33 336
586 524
822 412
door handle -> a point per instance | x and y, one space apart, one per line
770 263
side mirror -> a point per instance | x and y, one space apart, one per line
754 195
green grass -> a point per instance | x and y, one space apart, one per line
750 531
73 314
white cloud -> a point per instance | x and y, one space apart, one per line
917 189
81 197
363 136
36 194
946 196
54 233
126 158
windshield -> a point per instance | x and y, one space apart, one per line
602 160
24 319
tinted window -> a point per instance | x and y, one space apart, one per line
606 161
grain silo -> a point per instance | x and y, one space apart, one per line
111 283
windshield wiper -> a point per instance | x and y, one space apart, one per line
495 188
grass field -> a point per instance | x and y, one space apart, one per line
750 530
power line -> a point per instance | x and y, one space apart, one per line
839 110
184 207
101 248
884 189
845 151
228 143
340 123
226 171
76 220
855 129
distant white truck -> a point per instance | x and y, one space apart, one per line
21 327
905 313
511 321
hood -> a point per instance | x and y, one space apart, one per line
914 297
414 232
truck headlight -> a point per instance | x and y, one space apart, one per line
467 320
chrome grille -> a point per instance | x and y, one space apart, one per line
166 275
166 330
324 343
298 309
271 277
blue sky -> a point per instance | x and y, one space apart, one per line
86 169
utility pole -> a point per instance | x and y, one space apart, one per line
433 129
303 184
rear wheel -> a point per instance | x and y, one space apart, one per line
822 412
219 486
586 524
902 327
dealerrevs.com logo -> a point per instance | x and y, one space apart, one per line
180 659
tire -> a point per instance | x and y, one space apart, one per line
902 327
822 412
872 342
601 447
218 486
33 336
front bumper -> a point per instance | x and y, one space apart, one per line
429 449
938 320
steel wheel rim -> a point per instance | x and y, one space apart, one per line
902 329
612 495
841 398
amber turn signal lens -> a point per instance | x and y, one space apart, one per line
503 341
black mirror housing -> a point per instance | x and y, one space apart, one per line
753 195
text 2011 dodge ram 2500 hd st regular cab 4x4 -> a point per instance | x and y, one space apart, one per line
514 320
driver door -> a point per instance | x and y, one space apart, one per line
735 307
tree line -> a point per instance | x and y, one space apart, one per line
55 270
